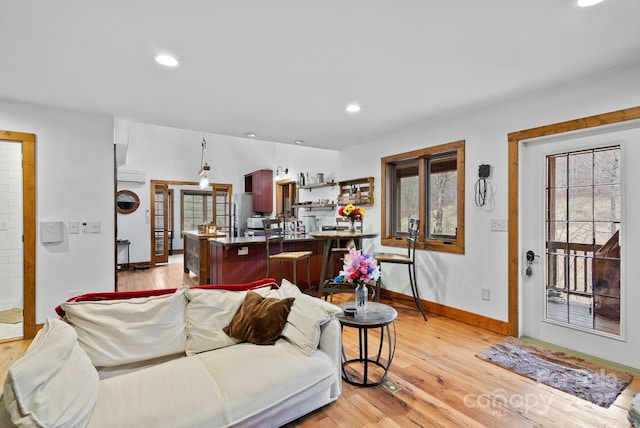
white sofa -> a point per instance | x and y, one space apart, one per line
165 361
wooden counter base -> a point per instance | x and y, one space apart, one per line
196 255
238 260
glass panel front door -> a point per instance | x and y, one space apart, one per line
582 239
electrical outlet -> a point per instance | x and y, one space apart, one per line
498 225
486 294
85 227
4 225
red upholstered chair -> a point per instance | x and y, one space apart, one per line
408 260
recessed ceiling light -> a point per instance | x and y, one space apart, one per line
587 3
250 134
352 108
298 142
166 60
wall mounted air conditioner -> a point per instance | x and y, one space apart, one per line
130 176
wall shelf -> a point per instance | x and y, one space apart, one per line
315 206
318 185
358 191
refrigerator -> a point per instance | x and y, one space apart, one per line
242 208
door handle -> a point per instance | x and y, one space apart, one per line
531 256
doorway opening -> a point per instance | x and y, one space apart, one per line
24 228
180 206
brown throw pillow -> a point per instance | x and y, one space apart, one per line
259 320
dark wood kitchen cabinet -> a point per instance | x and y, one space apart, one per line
260 185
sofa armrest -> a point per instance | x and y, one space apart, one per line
331 344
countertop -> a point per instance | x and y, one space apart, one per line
248 240
197 234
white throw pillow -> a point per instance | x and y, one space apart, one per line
54 384
208 312
116 332
305 318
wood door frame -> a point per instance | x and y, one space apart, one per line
165 222
514 140
29 228
293 194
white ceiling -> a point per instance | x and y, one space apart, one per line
286 70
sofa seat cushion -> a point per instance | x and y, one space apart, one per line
178 393
122 331
253 378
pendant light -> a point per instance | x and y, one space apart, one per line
203 174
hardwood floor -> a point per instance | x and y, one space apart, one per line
161 276
441 382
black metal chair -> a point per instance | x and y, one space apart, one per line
408 260
274 237
342 245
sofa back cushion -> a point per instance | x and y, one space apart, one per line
121 331
306 318
54 383
208 312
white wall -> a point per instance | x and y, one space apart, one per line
456 280
174 154
74 164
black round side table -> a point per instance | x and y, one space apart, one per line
377 315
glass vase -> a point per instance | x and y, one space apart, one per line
361 296
352 225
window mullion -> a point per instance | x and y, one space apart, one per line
423 199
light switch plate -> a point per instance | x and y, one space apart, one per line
4 225
95 227
74 227
498 225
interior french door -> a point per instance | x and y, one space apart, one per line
160 224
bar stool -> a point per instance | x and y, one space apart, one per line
409 260
274 234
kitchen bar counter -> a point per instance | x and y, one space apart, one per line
196 254
244 240
244 259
